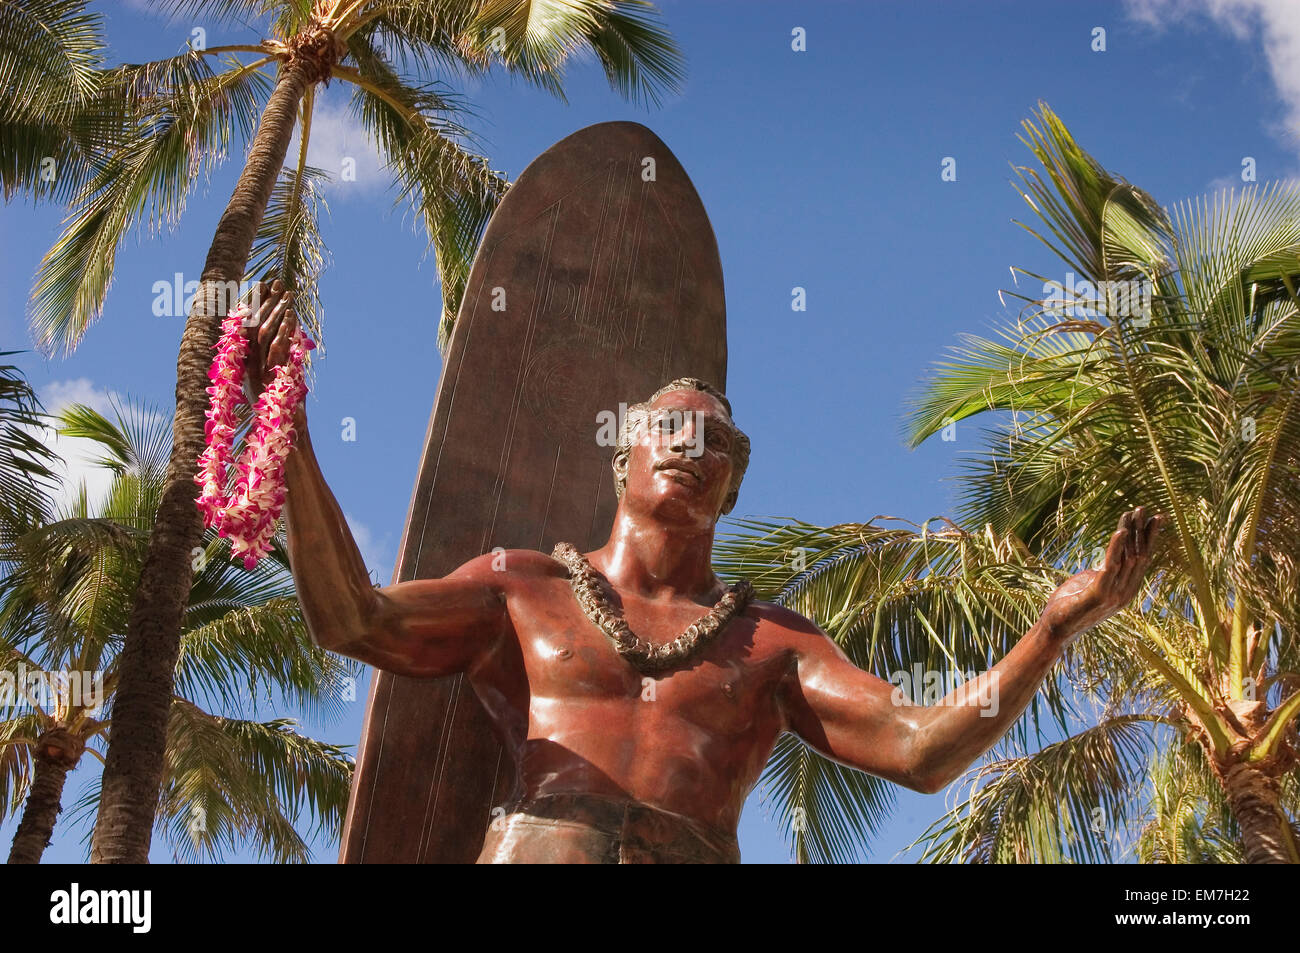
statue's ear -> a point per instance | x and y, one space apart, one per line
730 502
619 465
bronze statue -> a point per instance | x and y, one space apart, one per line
597 278
628 750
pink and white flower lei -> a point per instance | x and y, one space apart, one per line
248 516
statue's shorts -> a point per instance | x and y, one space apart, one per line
588 829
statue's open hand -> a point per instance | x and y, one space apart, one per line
1094 595
269 332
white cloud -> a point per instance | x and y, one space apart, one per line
1275 23
1224 183
76 452
374 550
339 144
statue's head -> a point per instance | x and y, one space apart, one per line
682 447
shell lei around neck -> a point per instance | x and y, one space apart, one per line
646 657
247 516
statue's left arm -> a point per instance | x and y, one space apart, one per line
860 720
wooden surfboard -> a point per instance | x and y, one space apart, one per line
597 281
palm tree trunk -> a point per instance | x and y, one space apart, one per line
1253 798
133 768
42 809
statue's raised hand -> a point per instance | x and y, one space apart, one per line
1094 595
269 331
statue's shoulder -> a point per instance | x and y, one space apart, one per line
515 564
782 631
783 620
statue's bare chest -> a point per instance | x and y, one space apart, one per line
567 658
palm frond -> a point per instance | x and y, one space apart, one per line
136 441
27 465
532 39
1190 406
189 119
454 190
535 39
289 245
1091 213
231 781
262 652
1186 820
246 13
66 599
18 731
828 812
51 54
1062 804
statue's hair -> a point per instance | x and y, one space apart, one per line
638 416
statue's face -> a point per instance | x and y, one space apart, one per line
680 465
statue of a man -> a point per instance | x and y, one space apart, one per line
638 695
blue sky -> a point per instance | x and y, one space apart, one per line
819 169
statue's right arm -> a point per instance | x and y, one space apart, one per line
422 628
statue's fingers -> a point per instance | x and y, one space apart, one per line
265 300
1134 570
1128 556
270 327
261 293
287 327
1147 536
1138 537
1130 537
1153 529
1115 550
1148 533
280 346
259 304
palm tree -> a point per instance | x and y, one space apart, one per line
191 108
64 601
1185 396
